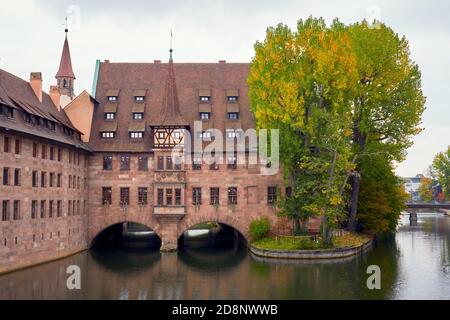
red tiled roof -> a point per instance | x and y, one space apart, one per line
17 93
65 65
190 78
170 115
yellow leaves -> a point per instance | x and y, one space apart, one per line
336 200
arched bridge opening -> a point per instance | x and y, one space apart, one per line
211 235
127 235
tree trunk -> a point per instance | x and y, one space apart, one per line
326 232
356 180
296 225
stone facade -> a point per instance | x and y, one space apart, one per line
28 238
168 221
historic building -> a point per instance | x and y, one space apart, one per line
72 166
43 168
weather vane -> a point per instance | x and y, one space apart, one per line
67 25
171 50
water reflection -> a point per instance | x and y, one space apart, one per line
413 265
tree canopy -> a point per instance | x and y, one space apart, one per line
340 94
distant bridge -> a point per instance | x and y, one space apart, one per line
416 207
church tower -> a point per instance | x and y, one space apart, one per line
65 76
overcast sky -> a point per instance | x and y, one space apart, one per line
32 34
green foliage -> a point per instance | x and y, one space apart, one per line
425 189
382 196
308 243
294 243
259 229
299 84
441 171
388 101
339 94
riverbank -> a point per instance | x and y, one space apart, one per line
308 248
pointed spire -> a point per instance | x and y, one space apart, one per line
170 114
65 66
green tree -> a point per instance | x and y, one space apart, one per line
300 82
382 196
441 171
425 189
388 101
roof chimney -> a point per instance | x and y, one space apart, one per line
55 95
36 84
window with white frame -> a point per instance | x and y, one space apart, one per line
205 98
139 98
205 135
138 115
108 134
232 98
136 135
112 98
204 115
233 115
110 115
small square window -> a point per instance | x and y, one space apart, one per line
205 136
136 135
138 115
232 98
139 98
108 135
205 98
233 115
204 115
112 98
110 115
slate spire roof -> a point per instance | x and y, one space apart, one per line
65 66
170 115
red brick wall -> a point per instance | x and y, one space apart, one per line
238 217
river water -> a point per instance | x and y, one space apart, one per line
414 265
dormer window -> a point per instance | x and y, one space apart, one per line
139 95
232 134
205 135
233 115
136 135
6 111
204 95
232 98
138 115
108 134
204 115
112 95
110 115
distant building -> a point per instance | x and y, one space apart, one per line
412 187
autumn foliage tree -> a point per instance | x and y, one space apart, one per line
300 83
388 102
338 94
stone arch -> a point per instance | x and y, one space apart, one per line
241 227
98 231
